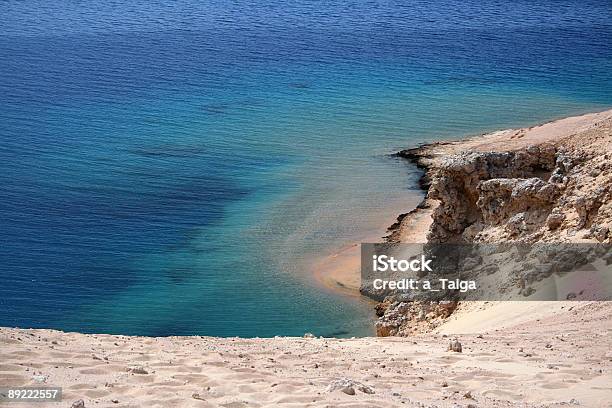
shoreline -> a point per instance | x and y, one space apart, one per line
427 156
339 272
568 157
532 354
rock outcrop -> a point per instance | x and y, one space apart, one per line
509 187
476 190
398 318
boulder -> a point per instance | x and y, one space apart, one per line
348 386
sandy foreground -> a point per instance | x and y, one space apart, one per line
513 354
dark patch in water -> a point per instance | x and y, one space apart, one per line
300 85
215 108
180 274
170 151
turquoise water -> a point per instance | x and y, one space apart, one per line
176 169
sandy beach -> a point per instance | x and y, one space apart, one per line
506 354
538 355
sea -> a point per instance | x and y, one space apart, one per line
175 168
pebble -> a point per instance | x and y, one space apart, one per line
40 378
348 386
348 390
455 346
197 397
138 370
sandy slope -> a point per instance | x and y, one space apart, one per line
536 358
515 139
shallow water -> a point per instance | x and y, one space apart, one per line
173 169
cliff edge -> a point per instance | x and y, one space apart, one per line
547 183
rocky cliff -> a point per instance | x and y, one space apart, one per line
550 183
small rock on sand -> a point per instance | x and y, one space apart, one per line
197 397
78 404
455 346
348 390
138 370
40 378
348 386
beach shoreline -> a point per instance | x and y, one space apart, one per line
340 273
536 354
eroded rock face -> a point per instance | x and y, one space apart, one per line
555 220
479 189
523 195
406 318
551 192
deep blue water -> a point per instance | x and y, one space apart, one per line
174 168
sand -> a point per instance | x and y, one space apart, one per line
515 139
538 354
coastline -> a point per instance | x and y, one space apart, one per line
553 354
339 272
428 157
567 157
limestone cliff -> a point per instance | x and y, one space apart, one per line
550 183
